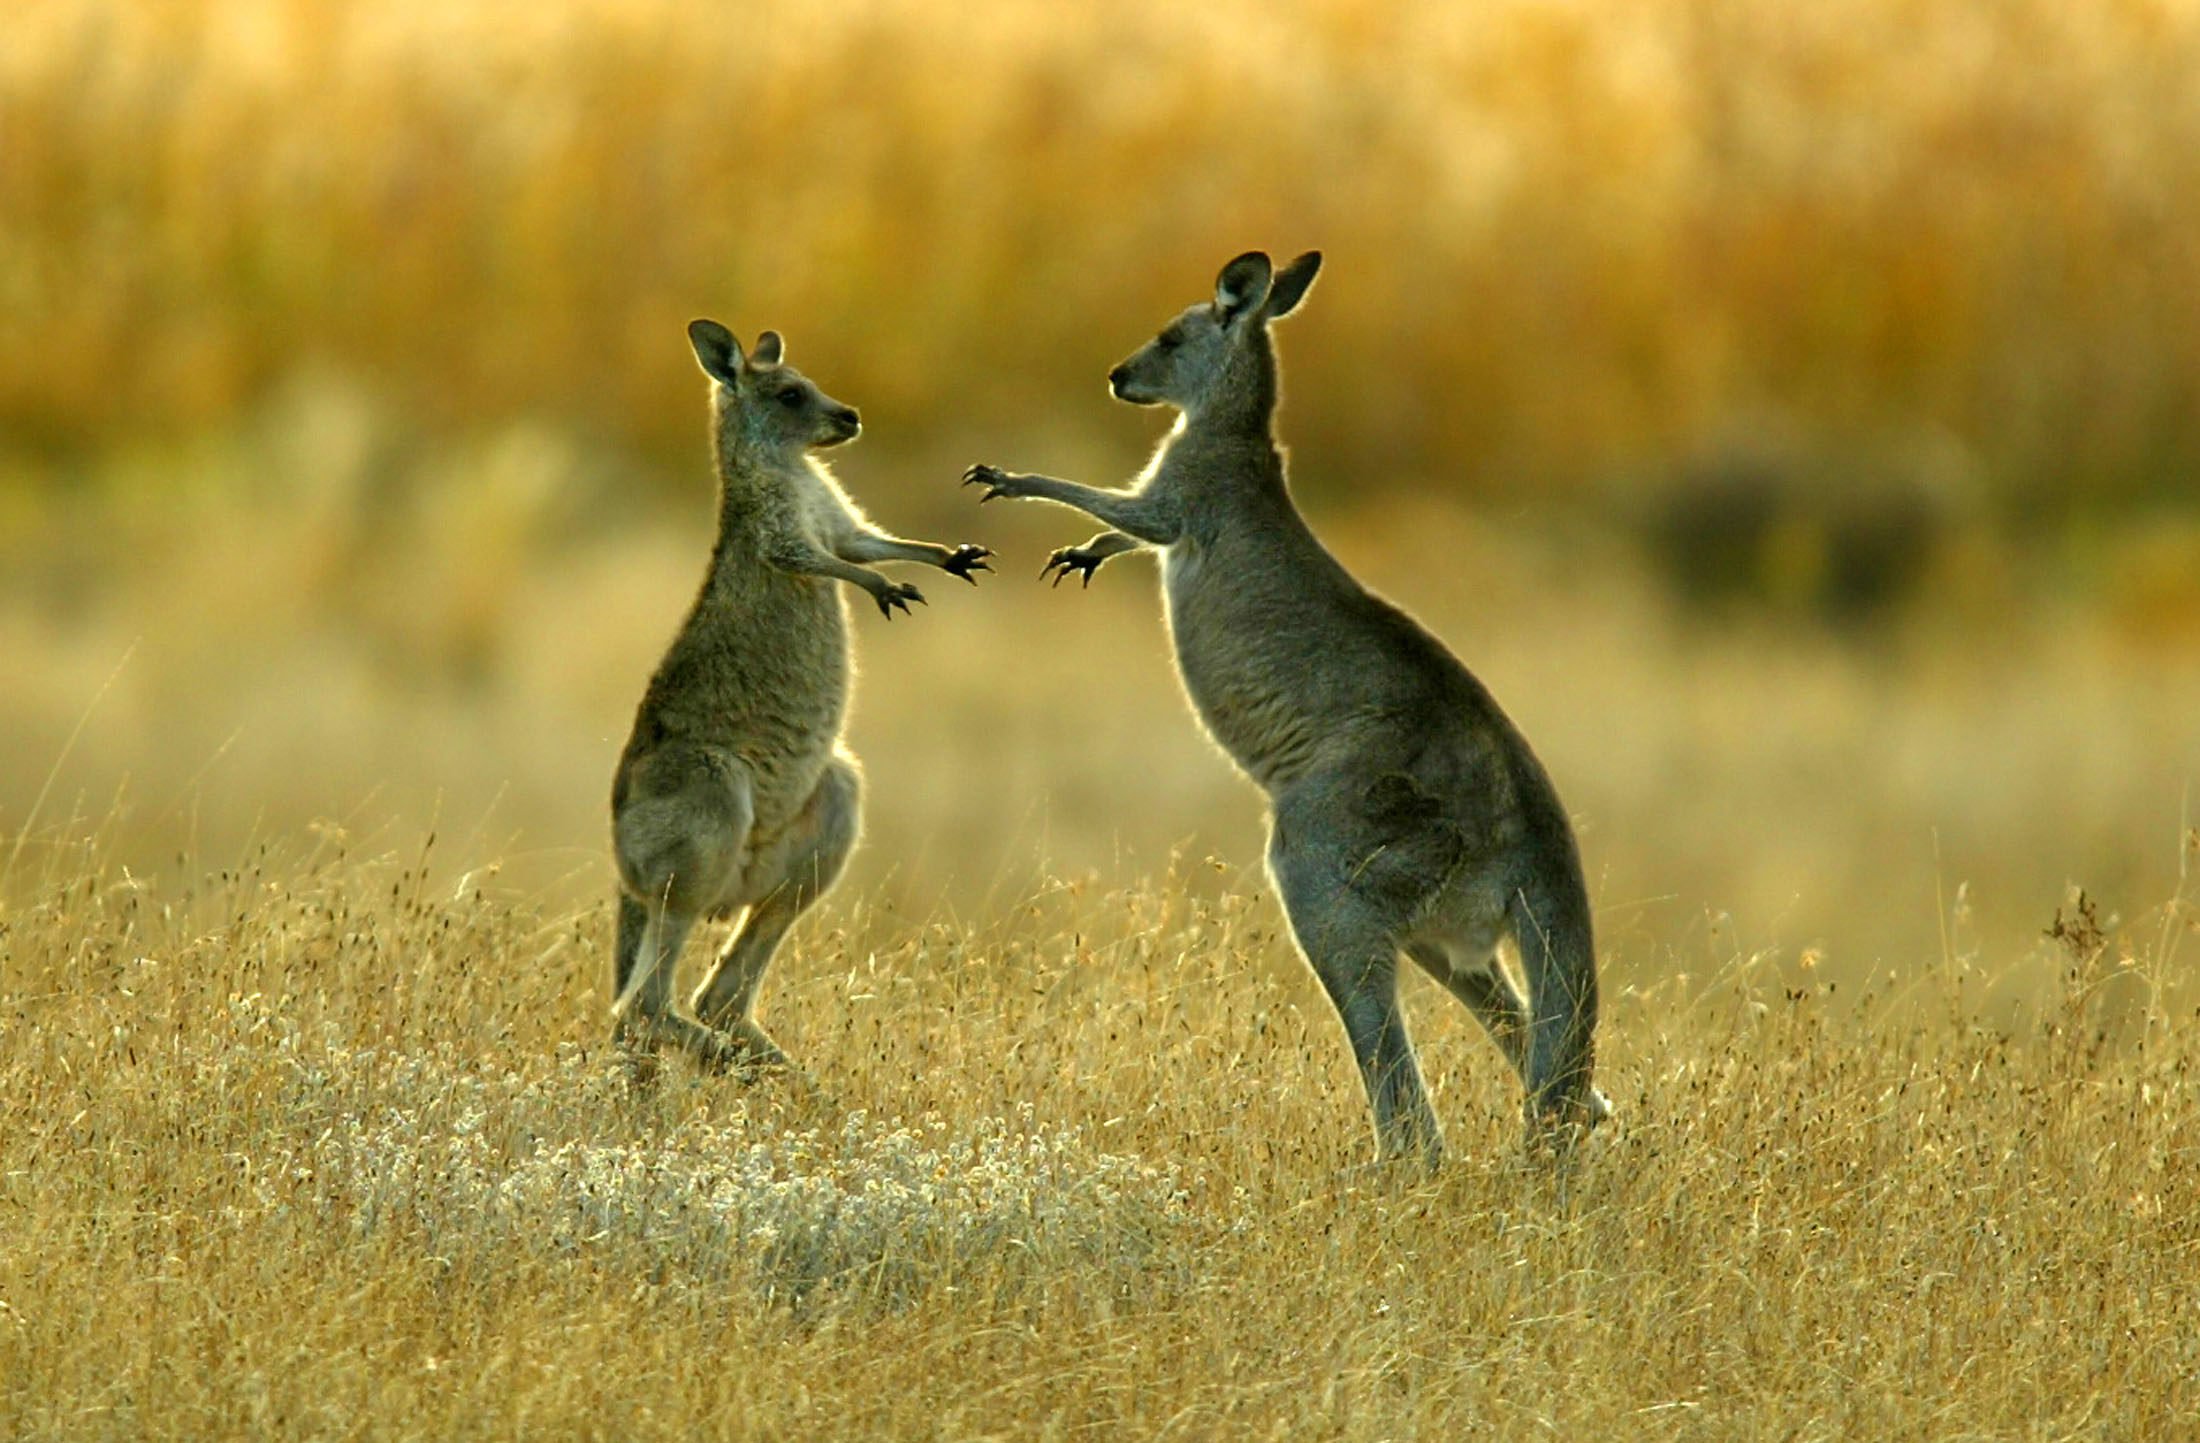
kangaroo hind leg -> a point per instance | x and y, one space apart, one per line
648 949
678 843
790 875
1355 956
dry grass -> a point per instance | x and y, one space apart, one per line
314 1147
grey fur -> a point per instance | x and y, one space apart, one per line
734 794
1406 812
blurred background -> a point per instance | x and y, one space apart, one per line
1792 412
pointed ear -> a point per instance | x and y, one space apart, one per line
770 350
1292 283
1242 285
716 348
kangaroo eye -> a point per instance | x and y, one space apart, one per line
1168 342
791 397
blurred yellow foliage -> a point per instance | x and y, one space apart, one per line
1567 239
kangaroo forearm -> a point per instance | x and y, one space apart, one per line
876 546
808 562
1110 543
1146 519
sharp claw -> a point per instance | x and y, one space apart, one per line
968 558
1063 562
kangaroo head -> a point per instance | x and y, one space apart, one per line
1218 352
765 402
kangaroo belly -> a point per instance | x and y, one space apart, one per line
793 705
765 683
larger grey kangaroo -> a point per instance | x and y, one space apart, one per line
734 794
1406 812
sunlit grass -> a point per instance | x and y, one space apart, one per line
320 1146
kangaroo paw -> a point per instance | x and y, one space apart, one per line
898 593
995 481
967 558
1069 559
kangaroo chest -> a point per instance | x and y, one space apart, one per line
764 675
1243 662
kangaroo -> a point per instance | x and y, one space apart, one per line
734 793
1406 814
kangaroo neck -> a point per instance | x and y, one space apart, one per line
1241 403
755 487
1225 431
746 460
1227 461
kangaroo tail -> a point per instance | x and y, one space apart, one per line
1550 917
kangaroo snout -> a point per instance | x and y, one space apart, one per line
1117 378
849 422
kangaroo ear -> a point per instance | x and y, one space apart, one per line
770 350
1242 285
1292 283
716 348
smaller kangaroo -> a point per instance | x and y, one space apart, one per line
1406 812
734 794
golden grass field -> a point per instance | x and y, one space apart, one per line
352 474
316 1147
